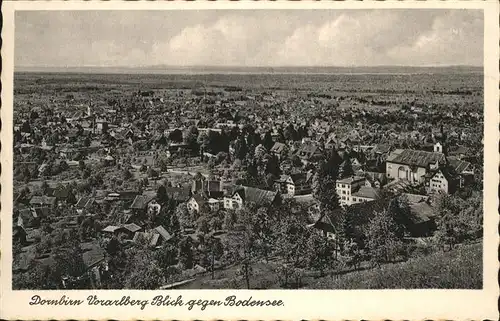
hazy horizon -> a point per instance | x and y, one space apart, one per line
164 70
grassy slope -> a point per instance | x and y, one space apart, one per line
460 268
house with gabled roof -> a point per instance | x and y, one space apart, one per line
298 183
365 194
278 149
309 152
243 195
85 204
141 202
27 217
48 201
441 180
129 230
196 203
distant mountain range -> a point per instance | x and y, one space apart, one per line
165 69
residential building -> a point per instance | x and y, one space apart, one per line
196 203
210 188
345 187
309 152
441 180
295 184
243 195
365 194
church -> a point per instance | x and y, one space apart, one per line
417 166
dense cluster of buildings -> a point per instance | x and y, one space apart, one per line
141 132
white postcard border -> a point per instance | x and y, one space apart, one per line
298 304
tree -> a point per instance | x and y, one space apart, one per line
63 166
163 164
145 274
296 161
126 174
458 219
260 152
240 148
221 156
26 174
251 175
186 252
399 209
87 141
215 250
191 138
86 173
246 270
273 166
44 187
229 219
166 257
447 229
26 128
290 132
175 136
346 170
324 186
211 142
34 115
383 241
40 277
202 224
202 140
81 165
161 194
346 227
254 139
174 222
268 140
152 173
352 254
320 254
69 261
292 245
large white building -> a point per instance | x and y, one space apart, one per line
354 190
417 166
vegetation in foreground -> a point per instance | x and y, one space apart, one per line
457 268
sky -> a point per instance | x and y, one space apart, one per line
415 37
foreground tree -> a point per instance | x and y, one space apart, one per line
166 257
292 246
145 273
321 252
324 185
383 243
458 219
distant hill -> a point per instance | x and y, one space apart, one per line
164 69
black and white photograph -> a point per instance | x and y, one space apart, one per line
253 149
